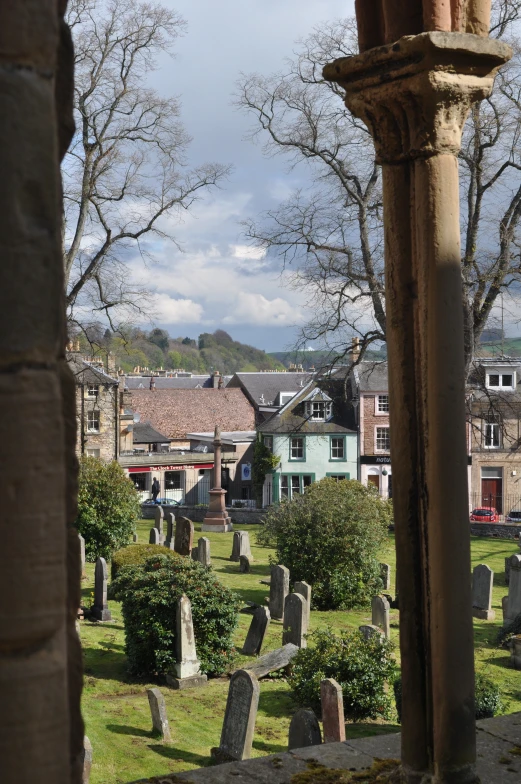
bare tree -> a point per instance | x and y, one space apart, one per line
329 235
126 168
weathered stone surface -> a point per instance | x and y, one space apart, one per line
273 661
239 718
184 536
241 546
87 760
134 538
385 574
158 711
482 583
154 536
190 682
368 630
515 652
82 555
304 730
158 523
304 589
295 623
507 570
513 608
279 589
187 663
380 614
332 705
203 551
504 605
100 608
256 632
244 566
170 530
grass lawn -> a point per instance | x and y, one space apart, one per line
116 709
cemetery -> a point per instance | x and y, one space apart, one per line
142 726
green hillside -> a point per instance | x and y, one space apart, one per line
319 359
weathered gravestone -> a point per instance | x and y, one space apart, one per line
244 566
482 581
241 546
514 590
100 608
332 704
295 623
158 710
87 760
82 556
239 718
304 589
154 536
504 605
134 538
380 614
257 631
184 536
304 730
368 630
170 528
273 661
158 522
507 570
203 551
187 668
385 574
279 589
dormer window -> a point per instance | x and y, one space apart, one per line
285 397
501 380
319 410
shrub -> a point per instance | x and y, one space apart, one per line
488 700
108 507
330 537
362 668
136 555
149 593
508 631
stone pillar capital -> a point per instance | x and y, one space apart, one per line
415 95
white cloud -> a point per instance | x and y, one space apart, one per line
247 252
177 311
256 309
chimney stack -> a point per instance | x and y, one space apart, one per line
355 349
215 379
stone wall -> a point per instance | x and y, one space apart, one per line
496 530
198 513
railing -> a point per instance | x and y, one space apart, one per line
504 504
193 493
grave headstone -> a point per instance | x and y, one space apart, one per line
507 570
257 631
187 668
82 556
184 536
380 614
295 623
482 581
134 538
239 718
385 574
241 546
244 566
504 605
304 589
159 517
154 536
100 608
332 704
368 630
304 730
515 651
158 711
170 530
279 589
514 590
275 660
203 551
194 554
87 760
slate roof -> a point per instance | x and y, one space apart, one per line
144 433
177 412
269 385
85 373
371 376
477 380
176 382
289 420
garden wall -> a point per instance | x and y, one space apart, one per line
198 513
496 530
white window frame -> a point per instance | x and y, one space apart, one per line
491 433
323 411
90 414
501 374
89 452
297 438
285 397
377 410
343 443
268 442
92 390
376 447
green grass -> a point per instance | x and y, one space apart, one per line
116 710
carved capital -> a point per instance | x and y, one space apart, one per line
414 95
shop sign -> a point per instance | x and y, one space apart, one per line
375 459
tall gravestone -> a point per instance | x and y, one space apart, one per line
385 574
188 667
244 564
239 718
154 536
158 522
241 546
257 631
184 536
482 582
380 614
304 589
158 711
279 589
295 623
332 704
170 530
304 730
203 551
507 570
82 556
100 608
513 608
87 760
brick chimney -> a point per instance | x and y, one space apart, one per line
215 379
355 349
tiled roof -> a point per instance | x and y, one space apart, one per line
177 412
85 373
264 388
175 382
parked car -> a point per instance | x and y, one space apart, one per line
484 514
514 516
162 502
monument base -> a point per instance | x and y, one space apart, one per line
192 682
219 528
484 615
220 756
100 615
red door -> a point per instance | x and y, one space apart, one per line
492 493
374 479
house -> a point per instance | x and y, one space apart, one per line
175 380
311 437
236 478
269 391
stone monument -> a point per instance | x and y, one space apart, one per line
100 608
239 718
184 536
279 589
295 623
304 730
256 632
513 605
241 546
482 582
332 704
380 614
203 551
158 711
217 518
187 669
304 589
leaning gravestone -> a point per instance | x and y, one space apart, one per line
87 760
188 667
482 581
369 630
100 608
158 522
385 574
82 556
158 710
154 536
279 589
184 536
304 589
304 730
380 614
203 551
170 527
513 608
244 567
257 631
295 623
241 546
332 704
239 718
273 661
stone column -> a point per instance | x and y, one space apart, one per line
217 518
415 96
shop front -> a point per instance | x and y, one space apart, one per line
376 470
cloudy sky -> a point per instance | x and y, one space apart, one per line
218 281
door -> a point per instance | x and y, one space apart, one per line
374 479
492 493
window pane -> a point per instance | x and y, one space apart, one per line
284 491
306 481
383 404
295 485
268 442
337 449
506 381
383 441
297 448
493 381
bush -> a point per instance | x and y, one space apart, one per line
330 537
488 700
136 555
362 668
149 593
108 507
508 631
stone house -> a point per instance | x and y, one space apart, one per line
311 437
